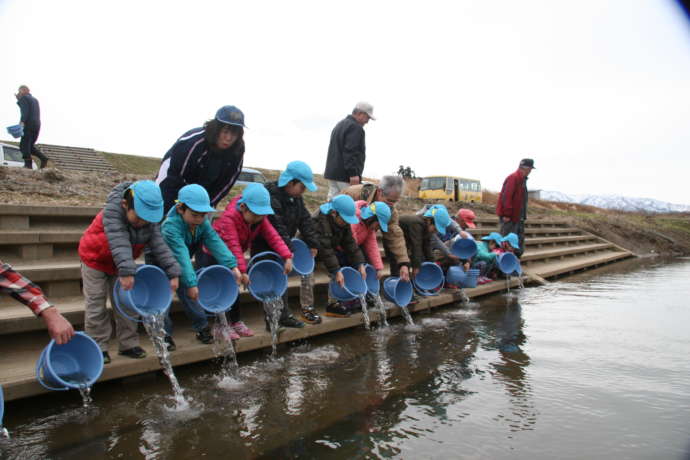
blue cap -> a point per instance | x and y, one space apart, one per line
380 210
344 205
512 239
441 217
497 237
298 170
230 115
257 199
195 197
148 201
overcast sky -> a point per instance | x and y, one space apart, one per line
597 92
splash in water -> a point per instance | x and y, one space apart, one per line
365 311
223 347
273 306
154 326
464 298
383 321
85 392
79 381
4 433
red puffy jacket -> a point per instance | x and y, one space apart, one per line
238 235
512 197
94 249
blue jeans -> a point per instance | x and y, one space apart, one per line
193 311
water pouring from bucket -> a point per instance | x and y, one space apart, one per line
429 280
374 293
3 431
76 364
267 283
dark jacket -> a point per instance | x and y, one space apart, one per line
191 161
346 152
417 239
290 215
512 201
30 112
332 238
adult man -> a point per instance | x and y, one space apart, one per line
389 190
210 156
511 207
347 150
31 121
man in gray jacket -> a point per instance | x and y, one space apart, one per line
347 150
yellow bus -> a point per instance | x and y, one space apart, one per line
451 188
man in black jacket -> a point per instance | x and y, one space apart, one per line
347 150
291 215
31 121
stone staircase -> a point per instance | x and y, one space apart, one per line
74 158
41 242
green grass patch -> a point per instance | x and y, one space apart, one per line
133 164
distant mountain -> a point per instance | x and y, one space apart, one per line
621 203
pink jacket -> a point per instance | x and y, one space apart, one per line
366 239
238 235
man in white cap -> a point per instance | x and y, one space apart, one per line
347 150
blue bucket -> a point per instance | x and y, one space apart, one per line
373 284
151 294
218 289
15 131
397 291
2 407
464 248
455 275
302 261
508 263
267 278
355 285
471 277
429 280
61 367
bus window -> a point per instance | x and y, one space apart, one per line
433 183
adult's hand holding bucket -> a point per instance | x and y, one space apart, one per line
218 288
151 294
464 248
302 261
508 263
397 291
354 287
267 278
77 363
429 279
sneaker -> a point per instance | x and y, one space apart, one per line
43 162
309 315
106 357
204 336
171 343
242 329
291 321
337 310
134 353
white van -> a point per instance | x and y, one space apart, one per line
11 157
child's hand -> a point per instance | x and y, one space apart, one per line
363 271
313 251
405 273
245 280
174 284
340 279
127 282
193 293
238 275
466 265
288 266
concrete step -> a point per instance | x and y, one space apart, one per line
17 217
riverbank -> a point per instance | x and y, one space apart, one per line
643 234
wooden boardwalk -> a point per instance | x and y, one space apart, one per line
41 242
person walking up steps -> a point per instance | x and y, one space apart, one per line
31 121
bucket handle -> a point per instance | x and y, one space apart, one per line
39 373
263 254
121 310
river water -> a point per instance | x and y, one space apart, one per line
594 367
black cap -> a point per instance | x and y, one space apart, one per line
527 163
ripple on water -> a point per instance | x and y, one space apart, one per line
435 322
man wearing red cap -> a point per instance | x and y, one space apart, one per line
511 207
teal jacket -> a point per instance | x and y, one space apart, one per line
184 243
483 252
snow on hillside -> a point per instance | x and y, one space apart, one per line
621 203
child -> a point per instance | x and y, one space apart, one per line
290 216
241 223
418 230
26 292
109 247
373 216
185 229
337 245
485 259
509 243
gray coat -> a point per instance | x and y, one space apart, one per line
122 236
